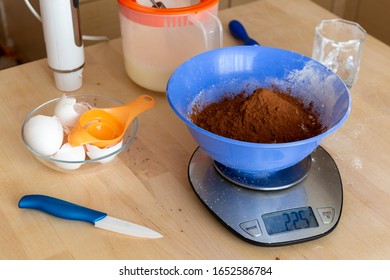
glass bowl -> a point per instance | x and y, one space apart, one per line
87 165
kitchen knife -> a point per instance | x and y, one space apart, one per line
66 210
238 31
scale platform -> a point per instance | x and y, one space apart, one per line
304 203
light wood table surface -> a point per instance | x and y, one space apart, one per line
149 184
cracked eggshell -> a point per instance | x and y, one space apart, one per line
96 152
44 134
69 153
68 111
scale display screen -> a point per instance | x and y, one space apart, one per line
289 220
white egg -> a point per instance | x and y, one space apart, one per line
68 111
96 152
69 153
44 134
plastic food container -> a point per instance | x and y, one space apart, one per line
205 78
156 41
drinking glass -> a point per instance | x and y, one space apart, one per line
338 45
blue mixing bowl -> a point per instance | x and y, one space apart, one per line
207 77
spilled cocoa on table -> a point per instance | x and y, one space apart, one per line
266 116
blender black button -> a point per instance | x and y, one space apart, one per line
251 227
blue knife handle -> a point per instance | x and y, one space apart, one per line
239 32
60 208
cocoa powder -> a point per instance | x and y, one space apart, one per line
266 116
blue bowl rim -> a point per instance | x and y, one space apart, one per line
316 138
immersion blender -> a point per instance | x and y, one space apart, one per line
63 40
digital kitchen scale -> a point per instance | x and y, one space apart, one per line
300 203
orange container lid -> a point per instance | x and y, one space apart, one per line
200 6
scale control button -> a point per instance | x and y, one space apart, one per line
252 228
326 214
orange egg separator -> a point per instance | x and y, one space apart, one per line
103 127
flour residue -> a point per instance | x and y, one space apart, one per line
357 163
314 83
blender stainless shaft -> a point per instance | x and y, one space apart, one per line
63 40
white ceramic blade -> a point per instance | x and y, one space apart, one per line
124 227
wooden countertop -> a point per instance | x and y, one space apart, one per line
149 184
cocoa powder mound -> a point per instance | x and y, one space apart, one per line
266 116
